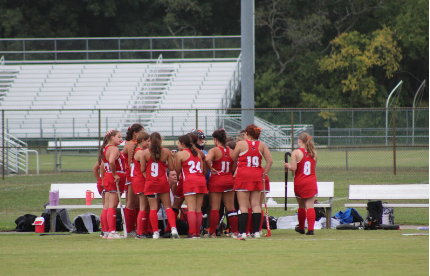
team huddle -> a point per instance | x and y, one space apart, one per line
230 175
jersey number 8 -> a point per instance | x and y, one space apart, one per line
307 168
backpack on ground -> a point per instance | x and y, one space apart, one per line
272 222
25 223
374 215
350 215
63 223
86 223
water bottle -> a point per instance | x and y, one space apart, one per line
422 228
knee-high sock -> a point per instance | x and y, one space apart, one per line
301 213
149 229
111 218
171 219
233 219
168 226
153 216
310 215
192 221
141 219
243 222
256 218
262 220
213 221
129 219
249 225
103 221
199 220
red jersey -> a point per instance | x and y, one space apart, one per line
119 163
249 165
223 181
192 174
135 167
304 176
156 177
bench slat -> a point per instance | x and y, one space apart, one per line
76 190
396 191
96 206
406 205
277 189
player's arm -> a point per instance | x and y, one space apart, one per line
112 156
96 169
170 164
315 158
208 160
268 157
293 165
178 163
143 157
202 158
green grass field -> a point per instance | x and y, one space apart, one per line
329 252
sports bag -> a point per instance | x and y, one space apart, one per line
374 215
86 223
25 223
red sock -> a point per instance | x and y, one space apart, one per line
171 219
145 220
140 222
262 219
199 220
249 225
301 213
148 224
129 219
103 221
111 218
310 215
233 220
192 220
213 221
153 216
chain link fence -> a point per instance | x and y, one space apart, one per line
352 143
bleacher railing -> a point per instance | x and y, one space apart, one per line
124 49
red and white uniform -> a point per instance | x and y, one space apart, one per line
223 181
305 180
100 188
137 177
109 180
192 175
179 193
156 178
127 169
249 171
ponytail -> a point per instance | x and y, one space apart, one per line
139 139
221 136
155 146
309 144
134 128
106 139
187 141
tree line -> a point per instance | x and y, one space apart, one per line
309 53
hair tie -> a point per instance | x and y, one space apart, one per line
135 142
221 129
257 127
309 138
109 132
128 128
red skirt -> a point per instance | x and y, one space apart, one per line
110 185
195 190
248 186
221 183
179 193
138 184
100 187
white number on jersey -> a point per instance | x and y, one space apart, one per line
120 164
132 169
307 168
225 166
154 169
194 167
107 168
254 162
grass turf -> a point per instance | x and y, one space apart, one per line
329 252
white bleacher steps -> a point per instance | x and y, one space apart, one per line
7 77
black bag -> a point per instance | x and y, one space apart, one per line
272 223
374 215
118 220
25 223
356 217
81 226
319 213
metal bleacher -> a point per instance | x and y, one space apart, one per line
65 100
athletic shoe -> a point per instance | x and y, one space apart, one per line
310 232
175 233
301 231
261 233
167 235
156 235
239 236
209 235
114 235
102 234
140 236
257 235
196 236
249 235
105 235
131 234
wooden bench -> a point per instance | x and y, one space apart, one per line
325 190
73 191
387 192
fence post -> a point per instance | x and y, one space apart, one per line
394 140
197 118
55 155
2 138
292 130
100 127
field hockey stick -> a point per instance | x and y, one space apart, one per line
124 227
220 223
286 179
269 233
